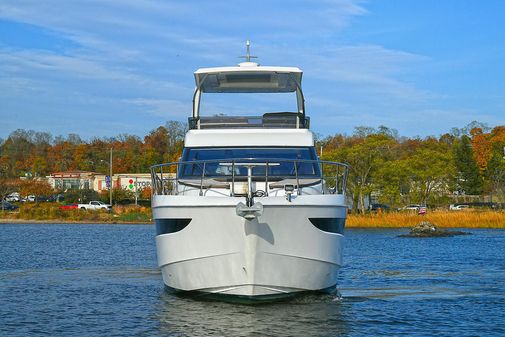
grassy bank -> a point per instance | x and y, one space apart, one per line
47 212
446 219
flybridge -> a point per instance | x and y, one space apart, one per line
249 77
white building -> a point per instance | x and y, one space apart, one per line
134 182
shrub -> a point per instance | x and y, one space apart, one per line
82 196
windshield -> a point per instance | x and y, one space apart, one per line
246 104
283 162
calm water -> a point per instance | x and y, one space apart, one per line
84 280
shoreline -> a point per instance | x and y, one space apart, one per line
4 221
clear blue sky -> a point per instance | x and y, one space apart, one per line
101 68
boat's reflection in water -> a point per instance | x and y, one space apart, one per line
303 315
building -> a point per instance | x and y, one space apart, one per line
134 182
77 179
71 180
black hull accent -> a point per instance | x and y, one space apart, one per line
167 226
330 225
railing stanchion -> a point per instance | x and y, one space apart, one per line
176 180
162 183
322 177
153 181
266 179
297 178
233 178
346 173
336 180
201 179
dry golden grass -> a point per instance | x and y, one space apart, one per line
447 219
51 212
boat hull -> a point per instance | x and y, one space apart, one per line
277 254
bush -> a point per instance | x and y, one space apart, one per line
132 213
80 196
120 196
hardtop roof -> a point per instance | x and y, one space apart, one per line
248 77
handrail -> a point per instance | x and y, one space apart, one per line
332 175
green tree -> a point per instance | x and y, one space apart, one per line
365 156
495 173
468 176
390 181
429 171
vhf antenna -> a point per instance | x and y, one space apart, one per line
248 55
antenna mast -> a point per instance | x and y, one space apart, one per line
248 55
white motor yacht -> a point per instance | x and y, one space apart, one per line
249 210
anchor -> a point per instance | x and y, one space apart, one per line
249 212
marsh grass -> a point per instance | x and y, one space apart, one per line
445 219
52 212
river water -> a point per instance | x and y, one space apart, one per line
102 280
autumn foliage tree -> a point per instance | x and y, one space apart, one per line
34 187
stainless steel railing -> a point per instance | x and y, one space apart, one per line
327 177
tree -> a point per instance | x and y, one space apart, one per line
495 172
158 141
7 186
365 157
429 170
176 132
390 181
468 176
482 147
37 187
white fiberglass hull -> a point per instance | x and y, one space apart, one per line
279 253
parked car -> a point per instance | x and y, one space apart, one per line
458 207
57 198
7 206
13 197
69 206
376 207
95 205
412 207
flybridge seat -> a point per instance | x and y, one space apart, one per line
249 77
270 120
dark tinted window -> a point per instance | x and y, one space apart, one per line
282 161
